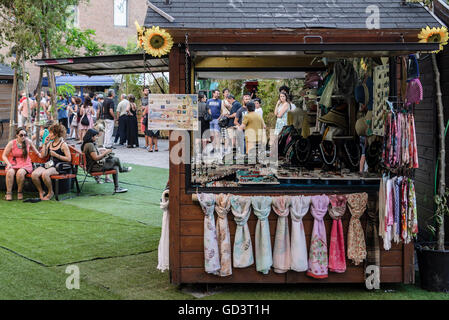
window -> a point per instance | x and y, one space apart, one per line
120 13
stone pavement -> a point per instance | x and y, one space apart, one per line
142 157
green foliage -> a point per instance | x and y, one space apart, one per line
235 87
441 210
66 90
78 42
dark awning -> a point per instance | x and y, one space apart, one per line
107 65
352 49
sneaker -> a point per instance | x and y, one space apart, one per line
127 169
98 179
120 190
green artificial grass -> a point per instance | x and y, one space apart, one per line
23 279
140 203
132 277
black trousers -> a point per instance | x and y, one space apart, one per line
122 129
110 164
65 123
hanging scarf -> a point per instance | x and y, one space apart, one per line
356 239
337 259
222 207
164 242
264 258
382 209
345 77
412 216
281 250
243 248
414 143
318 244
372 238
211 255
404 209
299 208
389 211
397 209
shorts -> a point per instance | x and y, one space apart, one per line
214 125
152 133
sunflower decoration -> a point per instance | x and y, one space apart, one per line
140 32
157 42
434 35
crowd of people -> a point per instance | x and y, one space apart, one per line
236 124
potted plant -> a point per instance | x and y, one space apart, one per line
433 257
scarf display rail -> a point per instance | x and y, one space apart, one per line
291 248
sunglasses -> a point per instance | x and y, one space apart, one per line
23 135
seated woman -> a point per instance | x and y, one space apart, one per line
95 162
18 162
57 148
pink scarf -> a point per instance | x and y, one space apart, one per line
281 251
356 239
337 259
318 245
222 207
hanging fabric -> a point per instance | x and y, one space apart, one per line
356 239
412 212
299 208
243 248
404 209
164 242
222 207
318 260
396 181
281 250
372 238
264 258
337 258
211 255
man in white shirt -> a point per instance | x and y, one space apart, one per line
122 117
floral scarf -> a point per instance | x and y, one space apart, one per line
281 250
299 208
264 258
222 207
356 239
243 248
318 245
211 255
337 259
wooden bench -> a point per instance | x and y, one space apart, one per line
76 160
83 165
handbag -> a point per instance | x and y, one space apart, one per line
207 116
223 121
63 167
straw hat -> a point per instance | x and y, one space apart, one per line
336 118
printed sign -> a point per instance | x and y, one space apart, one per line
173 112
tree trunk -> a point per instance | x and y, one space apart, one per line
442 151
51 80
13 110
38 101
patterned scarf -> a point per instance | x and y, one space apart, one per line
404 209
264 258
356 239
299 208
337 259
243 248
412 212
318 244
281 250
222 207
396 209
211 255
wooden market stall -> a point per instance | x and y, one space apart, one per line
276 36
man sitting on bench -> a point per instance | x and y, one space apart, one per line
101 162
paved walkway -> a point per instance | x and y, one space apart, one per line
142 157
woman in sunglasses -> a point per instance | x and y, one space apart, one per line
18 162
59 151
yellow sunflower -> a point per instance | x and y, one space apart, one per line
434 35
140 32
157 42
